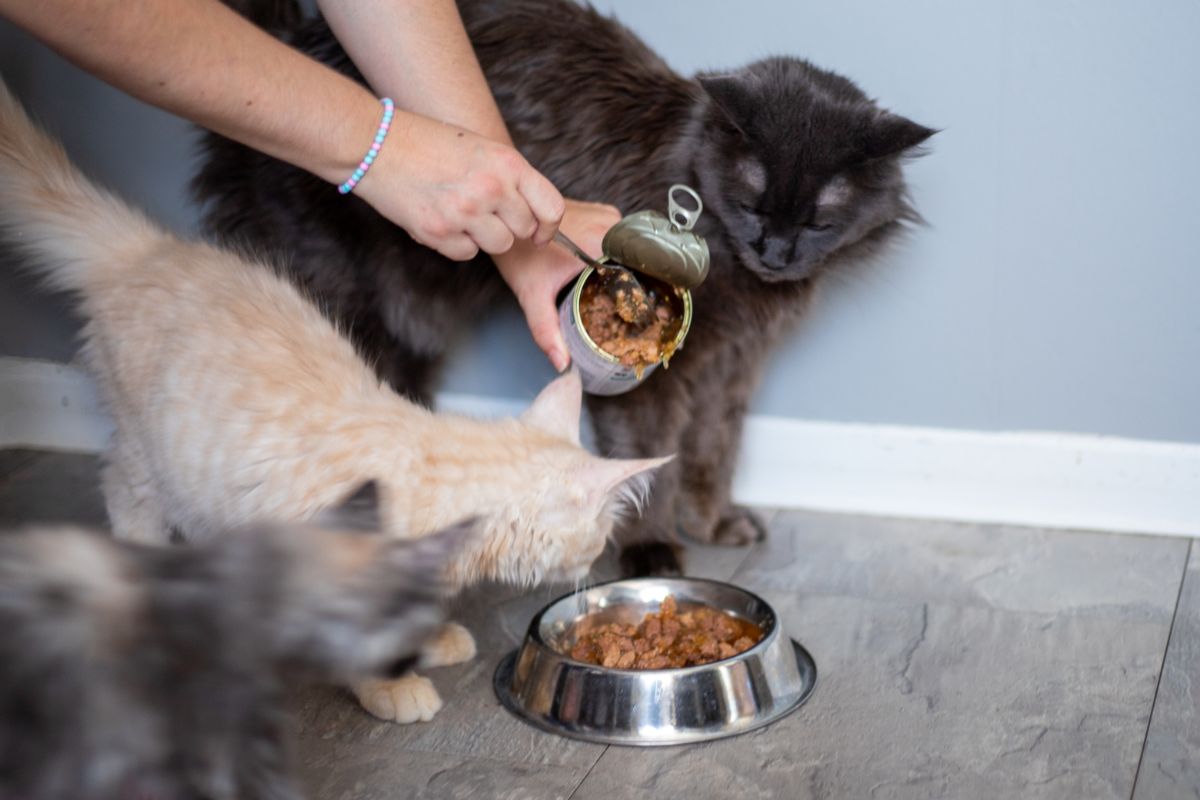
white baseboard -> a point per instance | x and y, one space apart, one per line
1041 479
49 406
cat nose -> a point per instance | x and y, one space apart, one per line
777 252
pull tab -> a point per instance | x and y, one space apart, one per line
683 218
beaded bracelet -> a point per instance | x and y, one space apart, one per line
389 109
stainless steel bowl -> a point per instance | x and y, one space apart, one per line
541 684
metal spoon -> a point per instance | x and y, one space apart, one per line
562 239
631 298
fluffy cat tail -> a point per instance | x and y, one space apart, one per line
71 230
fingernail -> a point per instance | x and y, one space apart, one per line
559 360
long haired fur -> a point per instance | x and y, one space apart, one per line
801 177
235 400
133 671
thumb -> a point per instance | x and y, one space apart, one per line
542 317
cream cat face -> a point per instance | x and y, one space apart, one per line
553 504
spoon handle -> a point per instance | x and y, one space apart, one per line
562 239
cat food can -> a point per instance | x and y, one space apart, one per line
603 373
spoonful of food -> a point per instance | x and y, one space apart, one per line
627 292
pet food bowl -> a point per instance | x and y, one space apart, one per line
543 685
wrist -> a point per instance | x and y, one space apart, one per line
352 138
364 166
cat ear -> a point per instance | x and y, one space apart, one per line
890 135
359 511
628 478
556 410
729 94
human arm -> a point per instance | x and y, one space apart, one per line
417 52
202 61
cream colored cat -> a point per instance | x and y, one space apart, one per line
235 401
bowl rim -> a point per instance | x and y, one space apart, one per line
505 673
770 633
685 295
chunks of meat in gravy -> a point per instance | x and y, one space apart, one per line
609 319
666 640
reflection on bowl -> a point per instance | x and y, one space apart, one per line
540 683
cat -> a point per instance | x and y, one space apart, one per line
131 671
235 400
800 173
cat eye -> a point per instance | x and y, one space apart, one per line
818 228
749 209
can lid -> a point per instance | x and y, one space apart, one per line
662 247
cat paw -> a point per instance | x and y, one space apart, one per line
651 558
454 644
405 700
739 527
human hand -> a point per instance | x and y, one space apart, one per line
537 274
459 193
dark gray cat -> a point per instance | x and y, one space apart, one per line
129 671
799 170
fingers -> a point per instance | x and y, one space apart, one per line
516 214
542 317
535 274
459 193
494 217
521 198
456 247
490 234
545 202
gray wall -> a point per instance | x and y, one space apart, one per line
138 150
1055 288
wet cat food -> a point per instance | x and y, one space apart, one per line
667 639
609 316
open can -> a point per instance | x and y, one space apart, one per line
662 248
603 373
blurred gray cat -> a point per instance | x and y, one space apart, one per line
133 671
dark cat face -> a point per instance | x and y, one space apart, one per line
799 165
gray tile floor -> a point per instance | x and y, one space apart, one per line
956 661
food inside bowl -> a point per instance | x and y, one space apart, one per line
668 639
609 312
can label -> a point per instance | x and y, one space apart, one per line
601 373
